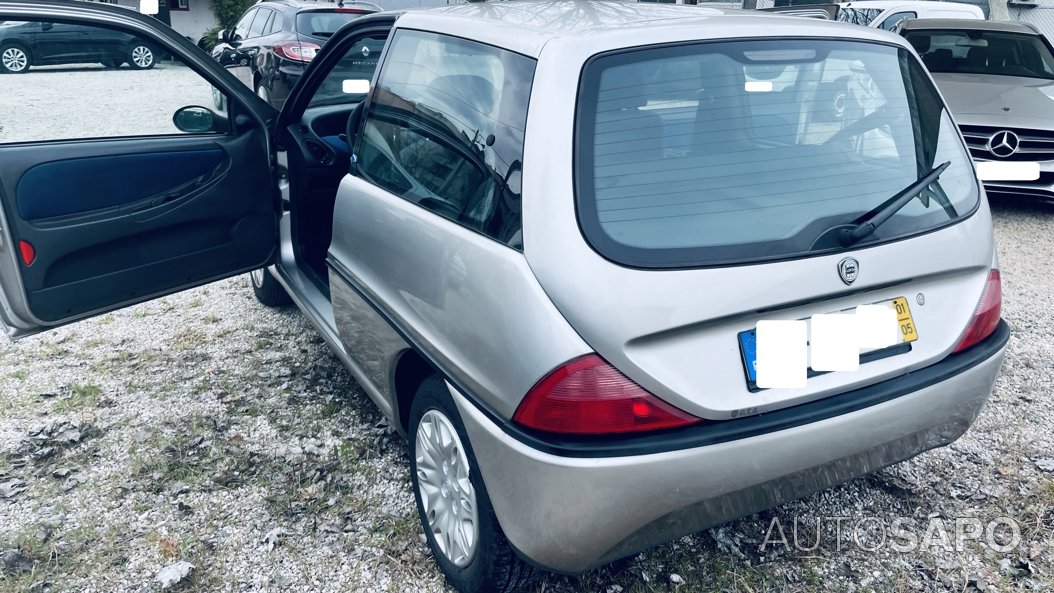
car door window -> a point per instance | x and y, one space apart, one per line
256 29
241 30
95 82
445 130
892 20
359 63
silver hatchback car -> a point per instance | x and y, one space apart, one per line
546 241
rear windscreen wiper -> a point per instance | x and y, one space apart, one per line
867 226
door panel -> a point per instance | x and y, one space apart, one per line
93 223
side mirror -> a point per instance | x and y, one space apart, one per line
194 119
46 26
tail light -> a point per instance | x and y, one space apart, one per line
353 10
589 396
986 316
294 50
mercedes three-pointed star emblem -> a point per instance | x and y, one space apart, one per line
1004 143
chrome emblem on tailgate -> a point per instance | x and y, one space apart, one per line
848 269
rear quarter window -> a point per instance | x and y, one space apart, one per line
445 130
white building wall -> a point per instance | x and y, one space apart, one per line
194 22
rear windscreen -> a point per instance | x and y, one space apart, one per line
323 23
727 152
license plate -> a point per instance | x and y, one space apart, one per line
908 333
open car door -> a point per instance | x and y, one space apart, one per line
136 167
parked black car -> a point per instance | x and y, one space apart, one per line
46 44
275 39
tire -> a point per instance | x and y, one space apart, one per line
141 56
267 290
490 565
14 59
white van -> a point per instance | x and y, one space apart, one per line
883 14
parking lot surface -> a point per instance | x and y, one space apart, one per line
204 428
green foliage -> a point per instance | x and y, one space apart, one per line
229 11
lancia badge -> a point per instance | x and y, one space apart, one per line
848 269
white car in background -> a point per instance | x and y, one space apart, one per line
883 14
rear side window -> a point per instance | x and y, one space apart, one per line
729 152
257 28
445 130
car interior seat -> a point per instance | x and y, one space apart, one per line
722 121
939 60
976 58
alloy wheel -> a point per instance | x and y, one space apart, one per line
447 494
142 56
14 59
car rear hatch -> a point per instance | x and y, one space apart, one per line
713 185
314 26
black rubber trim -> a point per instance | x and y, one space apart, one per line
712 432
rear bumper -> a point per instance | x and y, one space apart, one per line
572 513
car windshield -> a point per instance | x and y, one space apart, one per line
728 152
324 23
984 52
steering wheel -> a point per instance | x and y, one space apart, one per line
876 119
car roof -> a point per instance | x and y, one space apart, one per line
525 26
969 25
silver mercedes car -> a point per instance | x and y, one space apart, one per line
998 80
564 246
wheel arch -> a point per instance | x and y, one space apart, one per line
409 371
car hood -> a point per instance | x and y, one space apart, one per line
979 99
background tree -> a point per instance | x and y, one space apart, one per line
227 14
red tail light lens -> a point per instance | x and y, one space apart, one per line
589 396
353 10
301 52
986 316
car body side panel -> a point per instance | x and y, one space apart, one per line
472 304
369 340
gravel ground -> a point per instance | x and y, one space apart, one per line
206 429
54 102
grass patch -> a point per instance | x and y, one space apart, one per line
80 397
19 375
